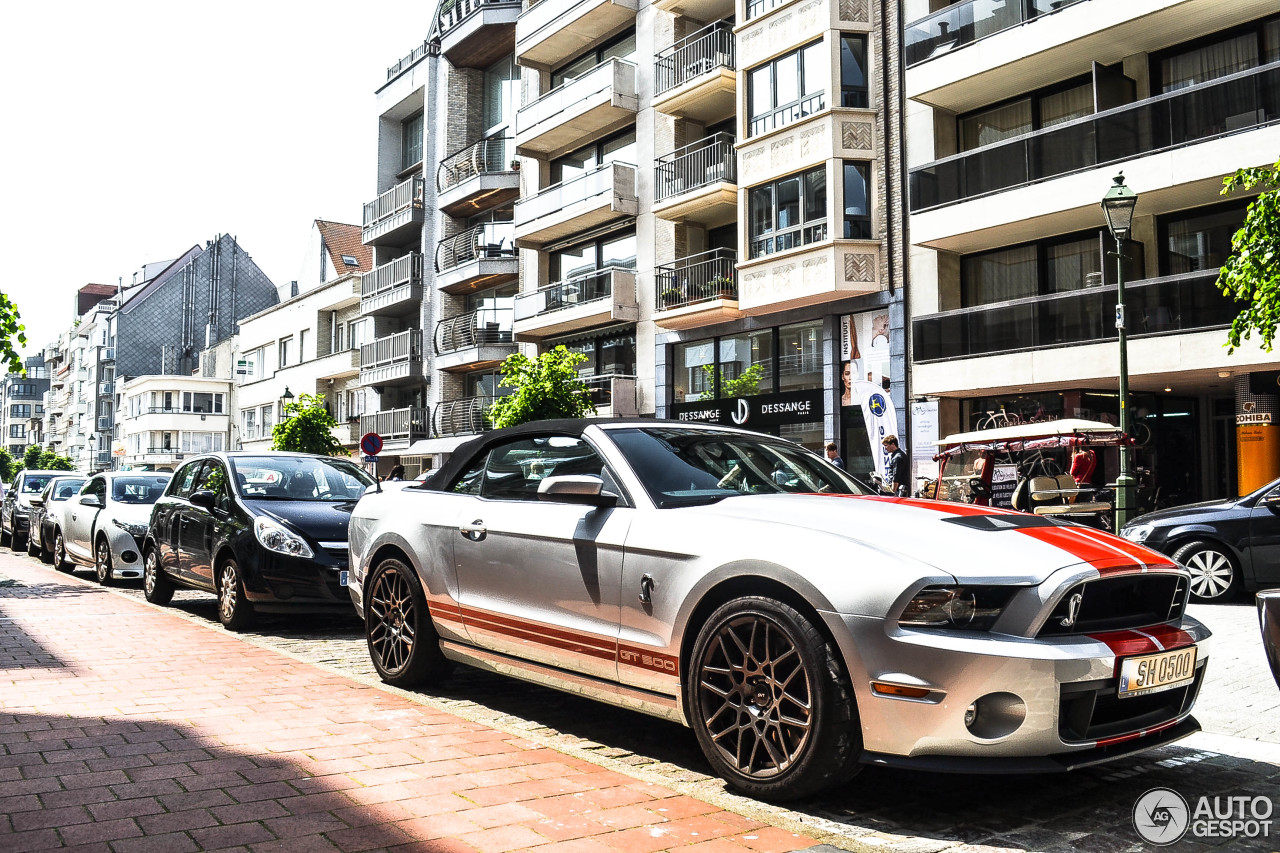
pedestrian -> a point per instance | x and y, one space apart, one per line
833 455
397 473
895 467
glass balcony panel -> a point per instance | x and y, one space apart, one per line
962 24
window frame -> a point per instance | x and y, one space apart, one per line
782 114
809 231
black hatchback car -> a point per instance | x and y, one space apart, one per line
262 531
1228 545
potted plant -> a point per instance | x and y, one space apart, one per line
722 286
669 296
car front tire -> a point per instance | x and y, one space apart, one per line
403 643
156 586
1215 575
770 702
33 550
60 561
102 561
235 612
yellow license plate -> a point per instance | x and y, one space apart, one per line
1153 673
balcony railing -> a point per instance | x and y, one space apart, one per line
491 240
452 14
788 113
416 54
698 164
964 23
393 349
104 423
1177 303
408 423
695 55
697 278
482 327
565 294
1229 104
405 270
487 155
463 417
107 388
402 196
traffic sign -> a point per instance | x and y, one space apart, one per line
371 444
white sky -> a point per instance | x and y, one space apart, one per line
136 129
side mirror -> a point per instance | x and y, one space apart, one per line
1271 499
576 489
203 498
91 500
36 500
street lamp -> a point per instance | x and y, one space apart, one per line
285 399
1117 206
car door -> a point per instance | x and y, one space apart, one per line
78 518
1263 544
167 517
199 527
540 579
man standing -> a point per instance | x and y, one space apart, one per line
895 467
833 456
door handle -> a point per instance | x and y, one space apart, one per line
475 531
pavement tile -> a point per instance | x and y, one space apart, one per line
35 839
239 834
367 838
303 844
172 842
436 826
771 839
64 816
566 828
500 815
171 822
125 808
102 830
315 823
501 839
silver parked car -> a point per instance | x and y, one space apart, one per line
46 513
742 585
105 525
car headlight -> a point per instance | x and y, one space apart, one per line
138 531
968 608
1137 532
276 537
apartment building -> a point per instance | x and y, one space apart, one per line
683 192
21 421
74 362
309 343
166 418
1019 115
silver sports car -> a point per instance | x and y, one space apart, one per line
745 587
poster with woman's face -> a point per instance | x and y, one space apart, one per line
864 352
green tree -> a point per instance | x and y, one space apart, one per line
307 428
50 461
747 383
545 387
11 332
7 465
31 458
1251 273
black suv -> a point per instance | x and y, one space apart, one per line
15 512
263 531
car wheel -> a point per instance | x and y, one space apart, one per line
1215 577
33 550
155 585
234 610
403 643
16 544
46 555
102 561
60 561
770 701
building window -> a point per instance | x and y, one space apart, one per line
267 421
787 213
17 430
620 148
787 89
1038 110
1044 268
285 345
584 259
853 72
411 142
20 410
249 426
302 345
501 95
201 442
1196 240
249 367
622 47
202 403
1217 55
857 200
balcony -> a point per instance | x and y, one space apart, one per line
479 258
102 459
108 353
577 303
696 77
395 359
1238 102
696 291
467 416
394 288
698 183
593 198
478 178
408 424
697 9
408 61
395 217
548 31
342 364
107 388
827 271
1156 306
344 295
474 340
962 24
476 33
104 423
614 395
586 106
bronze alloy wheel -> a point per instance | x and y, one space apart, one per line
402 641
157 588
234 610
102 562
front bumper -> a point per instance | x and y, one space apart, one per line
126 553
278 581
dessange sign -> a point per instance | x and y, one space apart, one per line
761 410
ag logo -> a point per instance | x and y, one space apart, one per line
1161 816
743 412
876 404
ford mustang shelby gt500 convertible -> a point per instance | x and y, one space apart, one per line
741 585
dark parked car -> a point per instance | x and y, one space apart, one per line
1269 618
1229 545
263 531
15 512
46 513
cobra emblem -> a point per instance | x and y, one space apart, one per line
1073 610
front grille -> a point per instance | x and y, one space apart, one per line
1117 603
1092 710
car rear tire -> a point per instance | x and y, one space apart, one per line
102 562
770 702
403 643
156 586
16 544
33 550
60 561
235 611
46 554
1215 574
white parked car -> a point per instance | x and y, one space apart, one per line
104 526
46 513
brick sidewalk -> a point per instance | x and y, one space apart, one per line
126 729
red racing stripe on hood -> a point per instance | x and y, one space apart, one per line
1105 555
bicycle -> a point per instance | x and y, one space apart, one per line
1001 418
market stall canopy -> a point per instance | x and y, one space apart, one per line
1060 433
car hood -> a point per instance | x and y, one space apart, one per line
321 521
971 543
1185 512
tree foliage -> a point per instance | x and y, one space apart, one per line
11 332
747 383
307 428
1252 272
36 458
545 387
31 458
7 467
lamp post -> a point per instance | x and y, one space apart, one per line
1117 206
285 399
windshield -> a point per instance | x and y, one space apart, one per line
65 489
299 478
680 467
138 490
34 484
